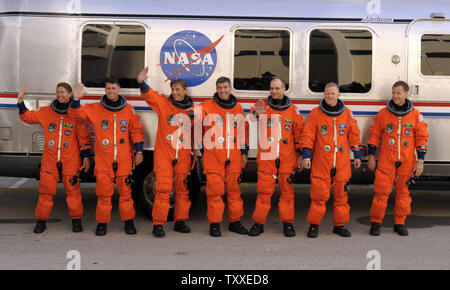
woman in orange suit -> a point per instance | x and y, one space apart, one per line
67 141
172 156
330 132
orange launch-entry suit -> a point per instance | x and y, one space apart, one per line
224 141
65 137
400 134
280 129
172 156
330 135
116 129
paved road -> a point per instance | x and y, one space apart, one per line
426 247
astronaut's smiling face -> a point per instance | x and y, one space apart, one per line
112 91
178 92
399 95
331 95
63 95
277 89
223 91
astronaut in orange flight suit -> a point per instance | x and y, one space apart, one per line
225 155
278 156
330 131
172 156
66 140
402 131
116 129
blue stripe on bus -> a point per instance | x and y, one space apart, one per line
436 114
14 106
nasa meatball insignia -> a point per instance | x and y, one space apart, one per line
189 55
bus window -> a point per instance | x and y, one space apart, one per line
435 55
112 51
340 56
260 55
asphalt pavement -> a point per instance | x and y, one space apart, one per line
426 247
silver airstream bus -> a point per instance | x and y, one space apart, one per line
364 46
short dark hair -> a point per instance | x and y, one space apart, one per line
65 85
181 82
112 81
222 80
402 84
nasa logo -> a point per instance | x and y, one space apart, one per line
189 55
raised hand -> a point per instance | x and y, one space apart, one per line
78 91
143 75
259 107
22 93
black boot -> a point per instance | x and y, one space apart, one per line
101 229
375 229
158 231
313 231
130 229
76 226
214 230
288 230
342 231
401 230
237 227
180 226
256 230
40 227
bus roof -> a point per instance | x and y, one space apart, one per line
397 10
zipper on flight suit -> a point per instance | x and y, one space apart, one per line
399 134
228 139
333 170
180 122
58 162
115 144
